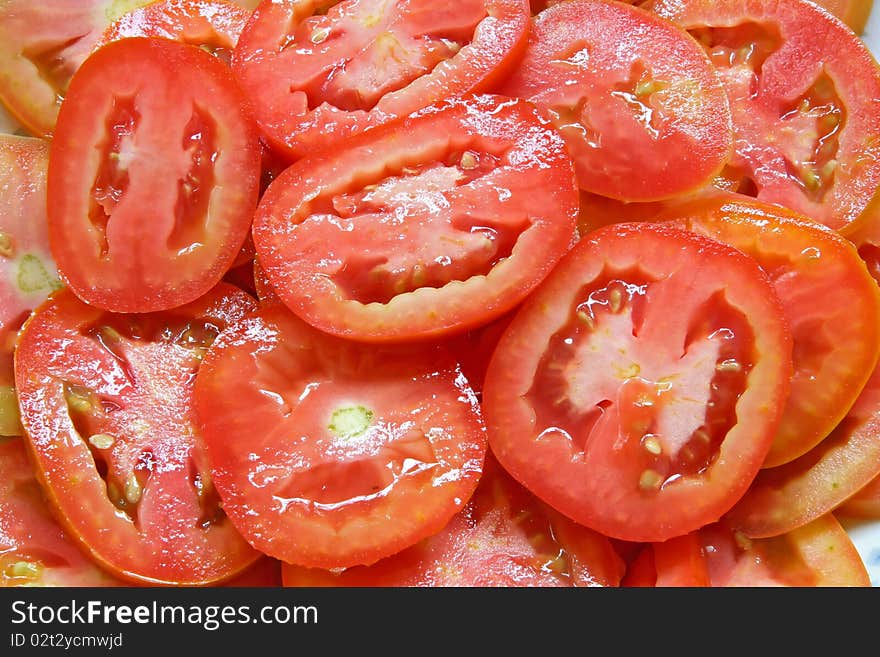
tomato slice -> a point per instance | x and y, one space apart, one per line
801 87
321 71
345 453
436 223
503 537
213 25
153 176
791 495
106 402
623 84
42 44
854 13
677 562
830 301
27 271
639 388
817 554
34 549
864 504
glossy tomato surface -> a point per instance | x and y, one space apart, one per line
344 453
320 72
639 389
641 107
439 222
153 176
106 402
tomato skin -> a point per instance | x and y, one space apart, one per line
831 303
619 82
801 101
611 468
348 260
335 497
107 410
503 537
296 120
136 176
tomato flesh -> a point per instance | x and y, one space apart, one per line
623 415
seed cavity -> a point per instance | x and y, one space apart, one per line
34 277
350 421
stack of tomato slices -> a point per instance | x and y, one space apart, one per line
371 293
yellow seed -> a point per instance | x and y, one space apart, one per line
729 365
102 440
79 401
811 179
652 445
615 300
828 169
743 541
133 490
320 35
587 319
468 160
7 246
650 480
702 436
23 569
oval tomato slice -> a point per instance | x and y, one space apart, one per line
791 495
639 388
620 84
34 549
213 25
830 301
345 453
442 221
153 176
319 72
817 554
27 271
503 537
106 403
801 87
42 44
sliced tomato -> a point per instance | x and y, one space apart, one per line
817 554
599 211
830 301
34 549
320 72
263 287
153 176
106 402
854 13
639 388
213 25
439 222
801 87
345 453
641 572
42 44
640 106
503 537
27 271
677 562
791 495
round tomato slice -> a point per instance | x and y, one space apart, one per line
639 104
27 272
34 549
106 402
817 554
801 87
791 495
639 388
830 301
42 44
442 221
503 537
319 72
153 176
345 453
213 25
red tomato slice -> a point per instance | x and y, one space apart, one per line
153 176
639 104
790 496
320 72
42 44
213 25
439 222
817 554
503 537
27 272
801 87
639 388
34 549
345 453
106 402
830 301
